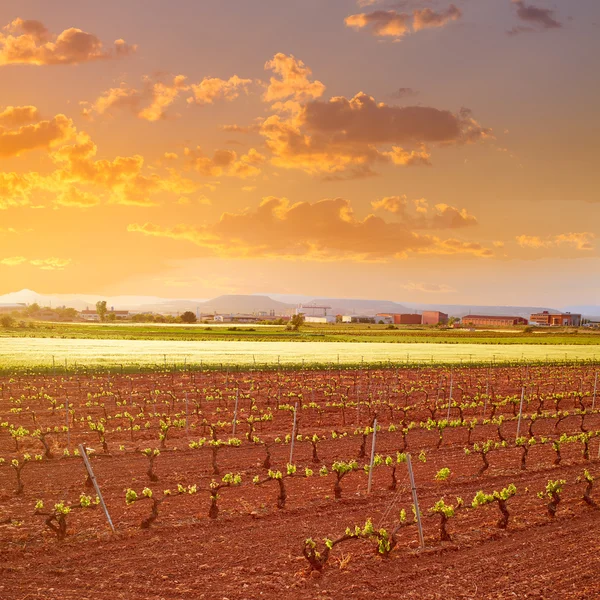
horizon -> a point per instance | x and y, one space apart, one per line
145 153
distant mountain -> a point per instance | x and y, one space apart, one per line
357 306
244 304
282 305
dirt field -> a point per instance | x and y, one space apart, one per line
253 549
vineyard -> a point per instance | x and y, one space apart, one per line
247 483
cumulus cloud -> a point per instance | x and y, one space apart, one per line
29 42
293 80
43 134
579 241
382 23
15 116
211 89
324 230
151 101
419 215
394 24
427 17
226 162
344 136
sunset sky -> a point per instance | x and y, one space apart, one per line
418 151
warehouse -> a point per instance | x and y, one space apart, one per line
493 321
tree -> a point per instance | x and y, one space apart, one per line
33 308
296 322
7 321
188 317
101 309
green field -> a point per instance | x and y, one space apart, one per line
308 333
17 353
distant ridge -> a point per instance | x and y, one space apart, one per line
284 304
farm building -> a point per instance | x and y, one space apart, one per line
402 319
366 319
493 320
324 319
434 317
548 319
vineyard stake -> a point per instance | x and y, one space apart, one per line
413 488
67 421
450 398
293 435
595 388
237 398
372 456
90 471
520 412
187 424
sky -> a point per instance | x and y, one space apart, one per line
409 150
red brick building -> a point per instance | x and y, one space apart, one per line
403 319
434 317
555 320
493 321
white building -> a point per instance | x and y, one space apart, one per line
325 319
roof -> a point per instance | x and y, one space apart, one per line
492 317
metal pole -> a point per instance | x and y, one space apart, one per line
413 488
187 422
293 434
90 471
450 398
237 397
520 411
67 421
372 456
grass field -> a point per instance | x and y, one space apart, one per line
37 352
308 333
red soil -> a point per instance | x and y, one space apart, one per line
253 550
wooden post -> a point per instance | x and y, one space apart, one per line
413 488
520 412
235 409
90 471
372 456
595 388
293 434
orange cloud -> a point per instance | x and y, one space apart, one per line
293 80
383 23
325 230
211 89
390 23
579 241
152 101
344 136
442 216
427 18
15 116
43 134
226 162
29 42
46 264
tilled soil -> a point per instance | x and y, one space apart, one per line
254 550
